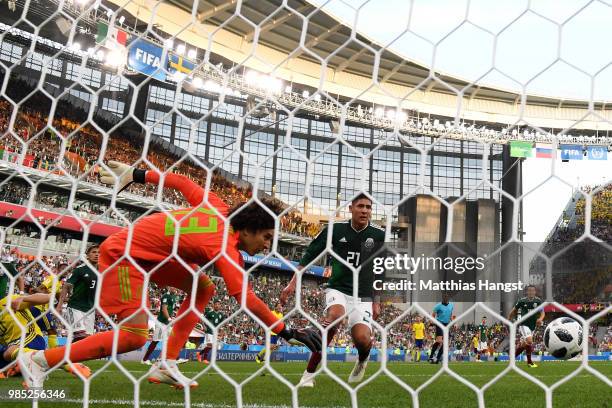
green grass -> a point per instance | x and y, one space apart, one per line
110 388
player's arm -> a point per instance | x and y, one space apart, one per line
234 278
512 314
540 320
124 175
66 291
20 284
316 247
25 302
164 311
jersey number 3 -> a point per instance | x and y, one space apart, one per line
192 225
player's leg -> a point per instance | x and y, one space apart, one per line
335 302
361 332
121 294
437 343
176 275
529 345
524 332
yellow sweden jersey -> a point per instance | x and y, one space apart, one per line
475 342
280 316
419 331
10 331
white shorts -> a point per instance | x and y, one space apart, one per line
208 339
358 313
159 330
525 331
482 346
80 321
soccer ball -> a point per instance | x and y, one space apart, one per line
563 338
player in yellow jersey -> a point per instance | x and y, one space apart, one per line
418 336
13 325
273 338
475 345
50 285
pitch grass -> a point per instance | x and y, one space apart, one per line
110 388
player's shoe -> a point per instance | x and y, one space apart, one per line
532 365
358 372
181 361
33 366
146 362
168 373
307 380
82 369
479 361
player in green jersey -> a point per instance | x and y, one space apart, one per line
168 304
352 241
8 270
526 327
214 317
80 290
481 332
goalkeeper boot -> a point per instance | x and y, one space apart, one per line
307 380
167 372
82 369
358 372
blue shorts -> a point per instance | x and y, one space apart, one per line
273 339
46 322
38 343
418 343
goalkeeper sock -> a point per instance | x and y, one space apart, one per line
52 340
131 337
150 350
187 318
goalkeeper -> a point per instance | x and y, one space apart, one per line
161 246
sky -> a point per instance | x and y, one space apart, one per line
557 48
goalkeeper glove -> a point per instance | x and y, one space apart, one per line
311 338
121 174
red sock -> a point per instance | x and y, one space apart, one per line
519 350
150 350
186 322
529 349
131 337
205 353
315 358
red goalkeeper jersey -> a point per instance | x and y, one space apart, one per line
195 235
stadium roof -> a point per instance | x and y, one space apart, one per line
217 25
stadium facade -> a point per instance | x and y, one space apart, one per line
289 150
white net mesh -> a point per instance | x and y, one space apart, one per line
282 106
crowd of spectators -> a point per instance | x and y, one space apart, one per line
86 148
242 329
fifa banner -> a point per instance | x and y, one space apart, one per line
597 153
146 57
279 264
521 148
571 152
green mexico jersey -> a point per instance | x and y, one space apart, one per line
354 247
213 318
524 306
171 301
5 279
483 332
83 281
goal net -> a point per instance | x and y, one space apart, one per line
144 144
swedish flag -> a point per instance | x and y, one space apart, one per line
176 63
